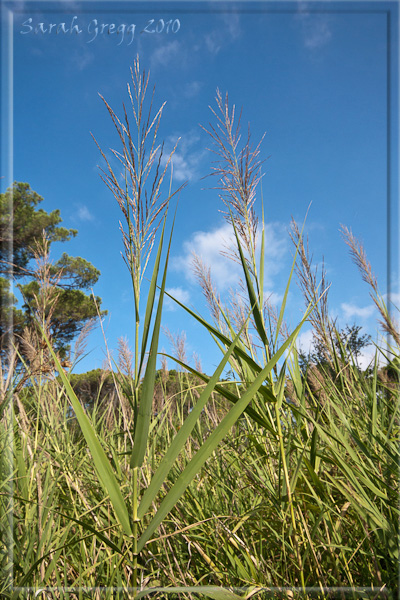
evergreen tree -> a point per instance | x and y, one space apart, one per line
27 232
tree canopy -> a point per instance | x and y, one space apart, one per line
58 291
23 223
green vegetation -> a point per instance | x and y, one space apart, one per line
282 478
53 293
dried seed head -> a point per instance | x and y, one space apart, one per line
203 276
125 357
313 290
137 187
238 171
178 342
358 254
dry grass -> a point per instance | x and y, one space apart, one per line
358 254
238 173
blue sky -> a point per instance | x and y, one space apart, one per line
312 76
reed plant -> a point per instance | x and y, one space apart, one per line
279 482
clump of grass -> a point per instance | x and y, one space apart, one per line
133 517
277 478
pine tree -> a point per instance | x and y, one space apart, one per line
27 233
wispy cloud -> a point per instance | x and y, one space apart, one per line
166 54
180 294
191 89
315 28
81 59
84 214
210 245
351 310
187 157
227 30
213 42
232 24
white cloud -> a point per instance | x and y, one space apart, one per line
187 157
225 272
305 341
84 214
351 310
164 55
178 293
227 31
183 167
315 28
191 89
272 297
208 245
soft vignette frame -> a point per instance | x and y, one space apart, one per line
392 10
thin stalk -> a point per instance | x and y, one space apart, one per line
137 355
135 522
289 493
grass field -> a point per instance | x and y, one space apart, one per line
282 475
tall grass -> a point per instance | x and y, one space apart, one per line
279 479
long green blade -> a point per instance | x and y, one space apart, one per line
254 300
101 463
150 299
146 400
211 329
182 436
212 442
268 395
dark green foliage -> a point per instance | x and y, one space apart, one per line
72 310
92 386
76 272
8 312
347 344
27 232
353 341
20 218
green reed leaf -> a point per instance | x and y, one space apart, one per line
212 442
183 434
253 298
146 399
101 463
220 389
239 352
150 298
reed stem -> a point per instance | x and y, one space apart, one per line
135 531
